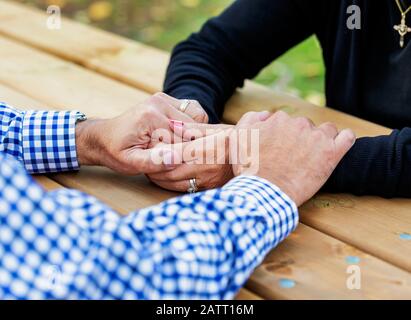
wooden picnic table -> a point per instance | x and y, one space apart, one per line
101 74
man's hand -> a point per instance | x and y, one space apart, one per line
293 154
124 143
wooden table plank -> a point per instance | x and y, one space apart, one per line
315 263
143 67
373 224
246 294
23 74
129 193
47 183
92 48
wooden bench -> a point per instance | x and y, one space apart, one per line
101 74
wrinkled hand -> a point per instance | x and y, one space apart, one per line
293 154
204 151
124 143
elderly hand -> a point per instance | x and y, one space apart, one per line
293 154
204 151
123 143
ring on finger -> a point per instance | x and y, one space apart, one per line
193 188
184 105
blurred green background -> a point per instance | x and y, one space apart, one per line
163 23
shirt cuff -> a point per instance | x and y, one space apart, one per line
49 141
279 206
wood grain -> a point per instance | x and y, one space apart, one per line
41 77
318 266
92 48
371 223
47 183
245 294
128 193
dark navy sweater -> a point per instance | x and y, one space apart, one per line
367 74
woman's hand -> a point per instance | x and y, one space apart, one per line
191 108
205 155
124 143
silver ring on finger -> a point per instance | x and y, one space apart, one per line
193 188
184 105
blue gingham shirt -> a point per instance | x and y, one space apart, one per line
43 140
65 244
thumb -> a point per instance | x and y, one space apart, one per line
155 160
344 142
251 118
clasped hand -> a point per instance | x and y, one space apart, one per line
172 147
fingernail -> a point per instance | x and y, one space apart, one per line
176 124
264 115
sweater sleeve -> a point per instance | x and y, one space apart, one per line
378 166
235 46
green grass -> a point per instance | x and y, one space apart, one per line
163 23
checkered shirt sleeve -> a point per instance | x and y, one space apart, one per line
67 245
44 141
